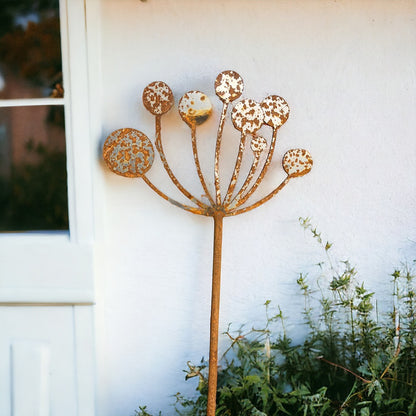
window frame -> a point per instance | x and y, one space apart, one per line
57 267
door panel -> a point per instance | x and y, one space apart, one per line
37 361
30 383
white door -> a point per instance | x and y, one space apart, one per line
46 278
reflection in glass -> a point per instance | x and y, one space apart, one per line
33 180
30 49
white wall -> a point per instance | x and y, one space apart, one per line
347 70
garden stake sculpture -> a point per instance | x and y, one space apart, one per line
128 152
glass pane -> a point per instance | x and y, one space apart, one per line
30 49
33 181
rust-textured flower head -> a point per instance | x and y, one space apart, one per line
247 116
276 111
195 108
128 152
229 86
158 98
297 162
258 144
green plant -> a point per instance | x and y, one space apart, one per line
351 363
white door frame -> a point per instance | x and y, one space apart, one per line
55 269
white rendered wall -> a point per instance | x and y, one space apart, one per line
348 71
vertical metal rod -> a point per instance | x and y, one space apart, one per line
215 312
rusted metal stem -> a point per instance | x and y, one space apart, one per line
217 153
246 183
263 171
215 312
198 165
159 147
194 210
236 172
261 201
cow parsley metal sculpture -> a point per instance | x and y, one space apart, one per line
128 152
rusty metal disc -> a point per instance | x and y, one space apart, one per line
247 116
276 111
128 152
297 162
195 108
258 144
158 98
229 86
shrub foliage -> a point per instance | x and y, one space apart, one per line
354 360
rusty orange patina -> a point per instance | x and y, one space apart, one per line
128 152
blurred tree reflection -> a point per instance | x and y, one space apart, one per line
30 44
35 195
33 180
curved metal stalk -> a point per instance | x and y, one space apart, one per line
236 172
246 183
159 147
217 153
194 210
261 201
198 166
263 171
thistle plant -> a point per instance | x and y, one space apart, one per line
129 152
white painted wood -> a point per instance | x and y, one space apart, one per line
37 361
53 268
20 102
12 296
45 269
93 22
33 265
30 375
75 71
84 359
